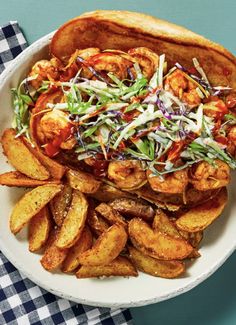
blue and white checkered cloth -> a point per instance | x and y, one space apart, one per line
21 301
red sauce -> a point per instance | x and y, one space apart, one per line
231 101
221 139
52 148
100 168
226 72
175 150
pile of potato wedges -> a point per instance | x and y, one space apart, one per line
88 227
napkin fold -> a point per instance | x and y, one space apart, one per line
21 301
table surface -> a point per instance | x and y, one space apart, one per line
214 301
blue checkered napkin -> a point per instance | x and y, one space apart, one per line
12 42
21 301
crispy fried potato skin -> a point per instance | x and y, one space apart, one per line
21 157
120 266
39 228
154 267
107 247
201 216
111 215
74 221
30 204
72 259
122 30
133 208
53 256
157 244
97 224
60 204
82 181
18 179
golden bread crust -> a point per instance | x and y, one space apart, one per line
124 30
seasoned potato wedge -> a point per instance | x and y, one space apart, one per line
111 215
107 247
107 193
82 181
97 224
60 204
53 256
39 228
120 266
55 169
201 216
30 204
18 179
83 244
21 157
133 208
163 224
152 266
74 221
156 244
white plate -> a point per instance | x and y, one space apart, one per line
219 240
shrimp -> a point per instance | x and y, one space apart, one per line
55 124
147 59
127 174
208 177
231 140
109 62
183 88
172 183
44 70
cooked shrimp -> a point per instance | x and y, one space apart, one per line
172 183
110 62
147 59
183 88
52 125
231 140
206 177
127 174
44 70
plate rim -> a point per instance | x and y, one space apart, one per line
41 42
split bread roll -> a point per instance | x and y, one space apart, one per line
122 30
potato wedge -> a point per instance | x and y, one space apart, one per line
21 157
74 221
133 208
163 224
111 215
18 179
60 204
107 247
83 244
157 244
97 224
82 181
106 193
120 266
55 169
30 204
154 267
53 256
201 216
39 228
